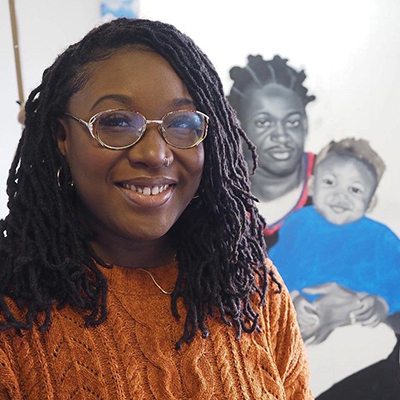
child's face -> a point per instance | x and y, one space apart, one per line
343 188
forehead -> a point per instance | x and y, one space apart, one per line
143 78
273 99
346 167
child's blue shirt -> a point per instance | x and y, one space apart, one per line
363 256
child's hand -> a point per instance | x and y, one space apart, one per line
373 310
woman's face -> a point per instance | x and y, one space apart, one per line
274 118
108 182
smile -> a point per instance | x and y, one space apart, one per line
146 194
339 209
280 154
146 190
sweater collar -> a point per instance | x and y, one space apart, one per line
133 280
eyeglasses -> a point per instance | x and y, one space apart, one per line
120 129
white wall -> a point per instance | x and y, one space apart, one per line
350 49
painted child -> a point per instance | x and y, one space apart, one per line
347 265
349 261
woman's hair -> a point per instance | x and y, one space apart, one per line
45 256
258 73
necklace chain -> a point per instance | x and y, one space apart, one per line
154 280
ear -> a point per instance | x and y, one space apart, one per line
62 136
310 185
372 203
305 124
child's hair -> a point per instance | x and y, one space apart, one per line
355 148
259 73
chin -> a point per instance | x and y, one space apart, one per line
283 170
333 219
147 235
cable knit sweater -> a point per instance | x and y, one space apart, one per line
132 354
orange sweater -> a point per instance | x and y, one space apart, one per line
132 354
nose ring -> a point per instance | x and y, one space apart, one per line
167 161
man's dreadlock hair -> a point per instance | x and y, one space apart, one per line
45 256
259 72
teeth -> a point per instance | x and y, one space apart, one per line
146 190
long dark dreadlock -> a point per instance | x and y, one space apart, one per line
45 256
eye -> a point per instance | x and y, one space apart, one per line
293 123
328 181
263 123
185 122
355 190
116 120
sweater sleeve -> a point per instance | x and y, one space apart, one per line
286 341
8 379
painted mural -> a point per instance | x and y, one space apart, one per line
341 267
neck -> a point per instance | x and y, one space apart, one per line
268 187
134 254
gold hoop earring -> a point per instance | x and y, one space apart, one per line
71 184
198 195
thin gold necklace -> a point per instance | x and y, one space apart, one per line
154 280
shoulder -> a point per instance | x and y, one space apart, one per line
377 226
279 321
310 157
278 311
300 216
379 232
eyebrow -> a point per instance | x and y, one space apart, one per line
127 101
290 114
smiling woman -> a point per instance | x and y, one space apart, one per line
130 208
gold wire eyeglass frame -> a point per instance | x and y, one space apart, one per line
90 126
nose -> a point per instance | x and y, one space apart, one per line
279 133
340 196
151 150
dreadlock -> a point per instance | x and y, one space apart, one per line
259 72
45 256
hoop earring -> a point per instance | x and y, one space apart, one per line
71 184
198 195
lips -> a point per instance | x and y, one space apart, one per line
280 153
338 208
147 192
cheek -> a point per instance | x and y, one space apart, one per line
298 137
197 165
321 195
362 204
89 165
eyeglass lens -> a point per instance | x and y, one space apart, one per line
119 128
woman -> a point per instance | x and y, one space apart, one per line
129 206
270 101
